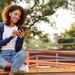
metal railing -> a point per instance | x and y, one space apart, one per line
50 58
43 44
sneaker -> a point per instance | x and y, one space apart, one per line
24 68
1 69
7 68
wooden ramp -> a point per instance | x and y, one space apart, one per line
44 73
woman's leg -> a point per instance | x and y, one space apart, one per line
18 60
4 63
5 58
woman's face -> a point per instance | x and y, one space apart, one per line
15 16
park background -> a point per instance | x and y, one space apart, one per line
51 23
51 26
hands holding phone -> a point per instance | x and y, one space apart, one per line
20 33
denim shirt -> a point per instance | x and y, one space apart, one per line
19 41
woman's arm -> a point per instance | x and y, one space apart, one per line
19 42
5 41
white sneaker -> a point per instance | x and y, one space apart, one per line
24 68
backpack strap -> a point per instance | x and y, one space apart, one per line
1 30
1 27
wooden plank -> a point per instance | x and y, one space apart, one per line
52 69
59 63
44 73
52 52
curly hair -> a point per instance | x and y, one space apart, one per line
11 8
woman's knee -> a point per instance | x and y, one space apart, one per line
2 63
22 54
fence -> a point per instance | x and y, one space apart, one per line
50 58
48 52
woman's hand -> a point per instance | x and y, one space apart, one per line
14 33
21 34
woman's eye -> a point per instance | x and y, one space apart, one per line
17 14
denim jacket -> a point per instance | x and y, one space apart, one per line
19 41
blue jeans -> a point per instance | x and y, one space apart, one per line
17 59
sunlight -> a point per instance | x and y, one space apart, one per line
63 22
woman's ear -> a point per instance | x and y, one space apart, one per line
9 13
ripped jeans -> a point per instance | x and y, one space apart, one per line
16 58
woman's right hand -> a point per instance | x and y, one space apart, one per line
14 33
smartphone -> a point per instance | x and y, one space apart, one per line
24 28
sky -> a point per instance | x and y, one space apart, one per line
63 21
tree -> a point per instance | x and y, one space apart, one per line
39 11
69 41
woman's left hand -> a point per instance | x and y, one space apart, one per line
21 34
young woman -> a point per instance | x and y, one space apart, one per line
11 39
